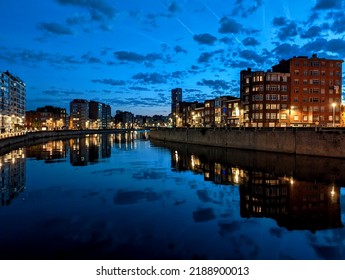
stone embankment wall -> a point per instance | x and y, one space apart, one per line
300 141
30 138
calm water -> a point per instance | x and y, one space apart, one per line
124 197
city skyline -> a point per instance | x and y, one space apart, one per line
130 55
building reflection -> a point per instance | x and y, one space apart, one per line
276 186
53 151
85 150
89 149
12 175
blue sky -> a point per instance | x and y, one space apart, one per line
130 54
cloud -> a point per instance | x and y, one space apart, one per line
215 84
76 19
252 56
174 8
312 32
327 4
151 78
279 21
55 28
89 58
338 25
228 25
179 49
250 41
139 88
246 8
287 28
205 39
205 57
110 82
135 57
286 50
99 9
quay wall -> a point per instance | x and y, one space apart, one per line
30 138
314 142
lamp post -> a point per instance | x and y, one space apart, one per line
333 106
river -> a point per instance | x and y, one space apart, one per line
122 196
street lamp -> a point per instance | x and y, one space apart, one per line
333 106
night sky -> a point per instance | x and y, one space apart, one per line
131 53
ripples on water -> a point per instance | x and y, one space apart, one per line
120 196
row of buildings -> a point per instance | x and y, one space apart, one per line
300 91
84 114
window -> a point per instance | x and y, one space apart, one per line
296 81
314 90
273 87
284 88
284 98
295 90
314 73
295 118
315 63
283 116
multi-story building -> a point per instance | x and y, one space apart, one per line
185 112
176 97
265 98
79 114
95 114
100 115
220 110
316 88
209 119
124 119
46 118
197 116
300 91
233 112
106 116
12 103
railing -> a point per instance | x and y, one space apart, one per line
11 134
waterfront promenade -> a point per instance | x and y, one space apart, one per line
19 139
327 142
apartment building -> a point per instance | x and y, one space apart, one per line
79 114
300 91
265 98
234 112
46 118
12 103
176 97
316 88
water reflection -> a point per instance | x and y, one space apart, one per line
82 151
12 175
300 193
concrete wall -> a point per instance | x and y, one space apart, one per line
7 144
329 143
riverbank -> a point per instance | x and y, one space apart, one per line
30 138
299 141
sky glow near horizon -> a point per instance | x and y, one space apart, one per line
130 54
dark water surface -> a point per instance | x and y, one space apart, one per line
125 197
